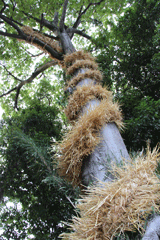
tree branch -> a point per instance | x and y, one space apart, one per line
55 21
79 32
5 5
11 90
39 42
11 23
32 55
10 35
10 73
61 25
29 80
46 23
77 22
49 49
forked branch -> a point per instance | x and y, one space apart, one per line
29 80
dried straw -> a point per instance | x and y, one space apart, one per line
84 137
48 41
82 95
78 55
92 74
122 205
81 64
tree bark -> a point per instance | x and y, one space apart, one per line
153 229
111 149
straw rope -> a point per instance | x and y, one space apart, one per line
81 64
84 137
91 74
78 55
122 205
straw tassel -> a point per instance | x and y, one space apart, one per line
122 205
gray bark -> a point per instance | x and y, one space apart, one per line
153 229
111 149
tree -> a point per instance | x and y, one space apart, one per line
29 177
132 57
64 35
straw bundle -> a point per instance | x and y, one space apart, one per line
81 64
82 95
122 205
84 137
92 74
48 41
78 55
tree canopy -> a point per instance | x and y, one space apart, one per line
124 37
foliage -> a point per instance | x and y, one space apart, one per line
28 175
131 57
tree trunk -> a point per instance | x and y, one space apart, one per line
111 149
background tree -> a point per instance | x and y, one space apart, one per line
29 177
130 62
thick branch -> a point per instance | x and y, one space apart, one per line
10 35
49 49
55 21
11 23
61 26
39 42
46 23
67 45
29 80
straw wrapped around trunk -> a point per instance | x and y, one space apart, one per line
122 205
84 137
78 55
84 94
91 74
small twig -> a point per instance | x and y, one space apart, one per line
11 90
32 55
70 201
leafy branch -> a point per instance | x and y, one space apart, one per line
28 80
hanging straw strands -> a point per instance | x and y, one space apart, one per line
122 205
